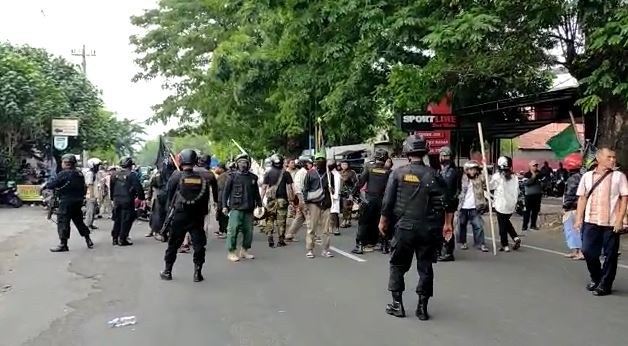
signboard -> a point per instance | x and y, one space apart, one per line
60 142
436 139
427 122
29 193
65 127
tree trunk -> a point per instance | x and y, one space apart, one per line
612 128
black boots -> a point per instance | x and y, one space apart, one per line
114 242
421 309
281 242
198 277
385 246
89 242
166 274
62 247
396 307
359 249
271 242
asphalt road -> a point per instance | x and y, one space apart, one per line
529 297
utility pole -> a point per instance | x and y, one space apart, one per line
83 53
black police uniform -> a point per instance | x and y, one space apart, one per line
125 187
375 176
415 197
451 177
188 193
70 185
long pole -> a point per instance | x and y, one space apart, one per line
486 178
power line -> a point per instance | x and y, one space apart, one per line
83 53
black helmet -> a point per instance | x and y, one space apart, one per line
188 157
276 160
71 158
204 160
232 165
126 162
242 157
415 144
380 155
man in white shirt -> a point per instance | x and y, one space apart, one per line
472 204
304 164
602 199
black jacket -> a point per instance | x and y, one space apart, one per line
570 199
70 184
241 192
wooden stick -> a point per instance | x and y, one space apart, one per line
575 129
490 201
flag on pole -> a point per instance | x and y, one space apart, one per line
588 157
564 143
165 160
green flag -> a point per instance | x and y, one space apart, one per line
564 143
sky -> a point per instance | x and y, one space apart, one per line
60 26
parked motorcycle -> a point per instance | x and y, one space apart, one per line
8 196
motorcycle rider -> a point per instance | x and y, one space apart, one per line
125 188
375 177
416 197
188 194
70 185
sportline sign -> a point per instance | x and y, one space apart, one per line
427 122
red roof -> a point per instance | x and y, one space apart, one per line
536 139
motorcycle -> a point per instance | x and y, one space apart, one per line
8 196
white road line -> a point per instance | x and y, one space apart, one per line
552 251
348 255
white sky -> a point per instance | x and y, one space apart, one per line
103 26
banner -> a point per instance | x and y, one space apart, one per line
564 143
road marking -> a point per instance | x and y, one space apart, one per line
551 251
348 255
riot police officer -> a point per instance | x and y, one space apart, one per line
450 175
125 188
70 185
188 194
415 197
375 176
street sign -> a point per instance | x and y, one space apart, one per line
427 122
436 139
65 127
60 142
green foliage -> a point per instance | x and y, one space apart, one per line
36 87
147 154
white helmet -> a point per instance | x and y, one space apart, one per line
504 162
93 162
471 164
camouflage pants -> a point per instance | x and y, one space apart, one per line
347 209
277 217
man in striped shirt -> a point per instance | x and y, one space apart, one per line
600 216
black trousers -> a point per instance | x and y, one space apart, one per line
123 217
182 223
595 239
531 214
410 241
70 211
505 228
370 212
223 221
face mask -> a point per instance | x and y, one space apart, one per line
445 162
243 166
320 165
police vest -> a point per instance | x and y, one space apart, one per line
121 186
415 183
192 189
378 178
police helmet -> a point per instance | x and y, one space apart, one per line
232 165
188 157
380 155
71 158
415 144
276 161
204 160
126 162
504 162
241 157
